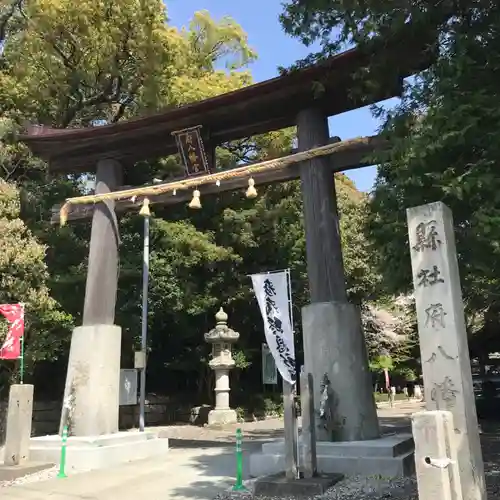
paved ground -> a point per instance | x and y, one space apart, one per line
182 474
199 465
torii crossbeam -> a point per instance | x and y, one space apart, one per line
344 155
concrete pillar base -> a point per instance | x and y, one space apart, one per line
389 456
19 417
93 380
222 417
334 345
99 452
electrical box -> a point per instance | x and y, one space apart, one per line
140 360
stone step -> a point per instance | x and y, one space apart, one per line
120 438
263 464
385 447
84 454
389 456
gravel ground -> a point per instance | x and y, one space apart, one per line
43 475
262 430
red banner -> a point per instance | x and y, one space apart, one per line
14 314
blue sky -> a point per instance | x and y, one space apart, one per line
259 18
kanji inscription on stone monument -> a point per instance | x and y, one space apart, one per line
435 316
426 236
429 277
443 338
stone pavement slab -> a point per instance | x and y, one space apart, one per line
182 474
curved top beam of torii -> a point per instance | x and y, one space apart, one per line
270 105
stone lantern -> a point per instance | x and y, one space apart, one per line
221 337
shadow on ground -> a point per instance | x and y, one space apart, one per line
223 464
221 467
255 437
389 425
213 465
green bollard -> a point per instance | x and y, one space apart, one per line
239 462
62 464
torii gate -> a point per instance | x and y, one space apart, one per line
333 339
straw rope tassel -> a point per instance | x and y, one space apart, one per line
63 214
195 202
251 191
144 211
248 170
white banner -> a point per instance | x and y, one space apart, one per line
273 297
269 370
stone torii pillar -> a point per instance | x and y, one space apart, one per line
334 345
93 378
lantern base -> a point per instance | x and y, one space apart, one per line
222 417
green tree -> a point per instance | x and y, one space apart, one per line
122 61
80 63
213 59
83 73
338 24
23 278
443 134
445 148
12 19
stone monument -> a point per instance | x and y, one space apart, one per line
16 452
19 417
221 337
443 336
436 459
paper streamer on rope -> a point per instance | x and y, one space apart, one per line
273 297
14 314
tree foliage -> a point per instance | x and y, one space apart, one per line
78 62
78 65
337 24
123 60
24 278
443 135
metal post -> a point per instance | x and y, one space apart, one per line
21 369
290 308
62 462
309 460
290 305
239 462
144 333
291 446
